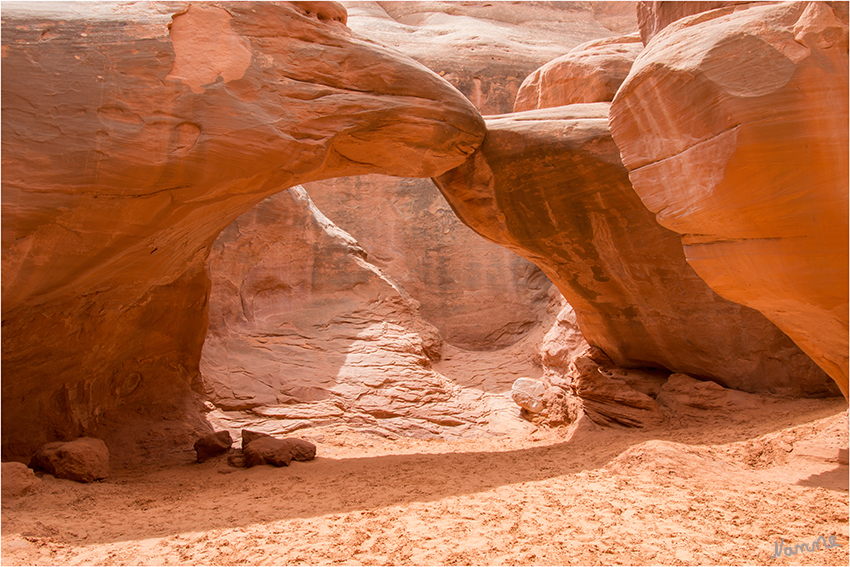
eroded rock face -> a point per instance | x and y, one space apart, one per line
590 72
549 184
479 295
124 157
304 330
734 127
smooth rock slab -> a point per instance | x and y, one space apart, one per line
590 72
85 459
733 125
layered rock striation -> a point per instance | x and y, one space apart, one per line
733 124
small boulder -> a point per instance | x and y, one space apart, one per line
84 460
277 452
528 394
18 480
212 445
248 436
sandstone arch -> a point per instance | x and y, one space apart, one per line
126 150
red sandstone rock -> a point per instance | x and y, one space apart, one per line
212 445
132 135
267 450
591 72
18 480
479 295
85 459
734 128
686 396
654 16
608 401
549 185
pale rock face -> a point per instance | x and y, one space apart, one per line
590 72
487 49
304 330
123 159
549 184
479 295
528 394
733 125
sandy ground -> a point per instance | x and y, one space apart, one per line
712 489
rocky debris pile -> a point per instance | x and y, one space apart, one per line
85 459
17 479
257 449
545 404
212 445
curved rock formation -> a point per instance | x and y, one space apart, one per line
734 127
132 135
655 15
487 49
590 72
549 184
479 295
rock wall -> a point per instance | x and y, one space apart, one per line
549 184
733 124
479 295
304 330
132 135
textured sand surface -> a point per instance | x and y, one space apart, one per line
709 489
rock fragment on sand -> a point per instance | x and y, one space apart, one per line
262 449
213 444
528 394
84 460
18 480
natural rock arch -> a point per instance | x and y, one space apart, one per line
130 142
